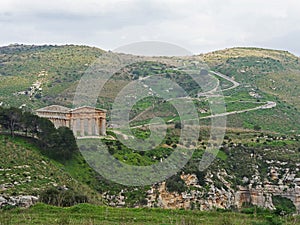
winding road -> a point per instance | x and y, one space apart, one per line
214 93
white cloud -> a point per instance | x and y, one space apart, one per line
198 25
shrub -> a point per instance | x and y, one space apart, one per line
175 184
62 197
283 205
178 125
257 127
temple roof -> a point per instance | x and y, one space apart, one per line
86 109
62 109
54 108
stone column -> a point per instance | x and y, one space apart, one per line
74 128
56 123
81 127
96 126
102 127
90 127
69 123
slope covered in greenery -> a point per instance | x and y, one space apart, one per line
35 76
272 71
272 74
24 170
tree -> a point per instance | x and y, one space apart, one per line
11 119
58 143
66 145
46 134
30 123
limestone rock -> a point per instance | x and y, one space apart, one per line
18 201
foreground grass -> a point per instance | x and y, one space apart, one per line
91 214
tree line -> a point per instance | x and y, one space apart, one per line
59 144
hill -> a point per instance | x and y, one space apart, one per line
257 165
272 71
271 75
36 76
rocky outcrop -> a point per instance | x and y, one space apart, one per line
18 201
247 177
209 197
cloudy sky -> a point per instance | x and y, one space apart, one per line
197 25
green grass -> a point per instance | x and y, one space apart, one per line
25 171
90 214
222 155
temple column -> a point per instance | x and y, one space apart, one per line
74 128
90 127
96 126
56 123
81 127
102 127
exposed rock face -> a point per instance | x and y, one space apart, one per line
256 196
210 197
246 177
224 198
19 201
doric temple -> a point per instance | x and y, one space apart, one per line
83 121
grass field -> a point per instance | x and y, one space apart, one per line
91 214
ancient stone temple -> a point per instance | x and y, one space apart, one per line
83 121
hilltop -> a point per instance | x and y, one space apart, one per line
272 71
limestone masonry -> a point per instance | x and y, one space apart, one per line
83 121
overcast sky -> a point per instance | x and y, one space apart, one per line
197 25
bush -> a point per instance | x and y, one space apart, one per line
283 206
257 127
62 197
178 125
175 184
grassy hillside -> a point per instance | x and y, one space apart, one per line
56 67
272 71
274 75
43 75
25 171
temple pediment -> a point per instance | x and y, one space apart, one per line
87 109
54 108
